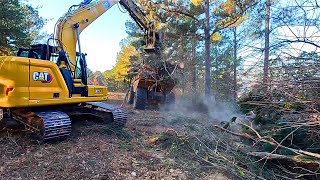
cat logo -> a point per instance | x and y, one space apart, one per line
43 77
106 4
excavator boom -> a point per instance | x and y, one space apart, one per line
79 17
135 12
152 38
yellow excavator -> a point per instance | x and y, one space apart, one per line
42 87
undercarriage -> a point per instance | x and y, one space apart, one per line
53 123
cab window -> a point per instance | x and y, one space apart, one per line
78 68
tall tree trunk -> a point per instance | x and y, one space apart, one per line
235 62
267 47
194 70
207 51
182 56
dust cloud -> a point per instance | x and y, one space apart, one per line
201 113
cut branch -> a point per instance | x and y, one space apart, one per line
298 41
271 141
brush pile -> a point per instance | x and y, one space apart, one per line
152 67
242 149
286 119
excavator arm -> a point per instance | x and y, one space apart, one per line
151 36
78 17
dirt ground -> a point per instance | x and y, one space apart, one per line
97 151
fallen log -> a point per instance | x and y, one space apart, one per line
271 142
245 135
298 160
269 156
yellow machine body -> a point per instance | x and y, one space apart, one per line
27 82
42 87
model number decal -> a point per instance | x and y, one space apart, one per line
43 77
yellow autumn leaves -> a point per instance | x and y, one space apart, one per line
229 10
216 37
231 22
234 17
122 65
196 2
229 7
5 51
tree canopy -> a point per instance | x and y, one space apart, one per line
20 25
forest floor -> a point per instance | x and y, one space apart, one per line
96 151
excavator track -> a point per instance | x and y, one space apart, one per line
57 125
48 125
119 116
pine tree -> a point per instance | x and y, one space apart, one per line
19 25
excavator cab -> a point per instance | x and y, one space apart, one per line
76 81
81 68
38 51
47 52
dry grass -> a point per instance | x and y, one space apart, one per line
155 144
96 151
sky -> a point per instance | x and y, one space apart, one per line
100 40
